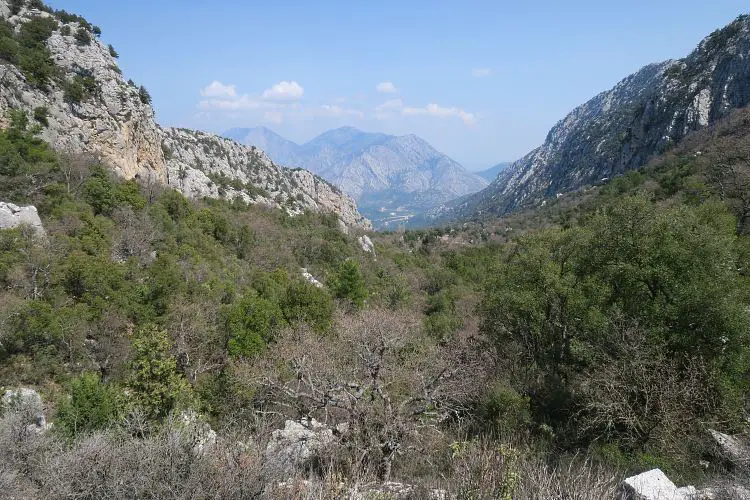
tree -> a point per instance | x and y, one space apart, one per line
112 51
348 283
144 95
83 37
158 386
92 406
251 324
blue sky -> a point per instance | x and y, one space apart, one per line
481 81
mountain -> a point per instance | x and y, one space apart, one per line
620 129
392 178
283 151
491 173
56 70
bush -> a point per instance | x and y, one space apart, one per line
144 95
159 388
92 406
83 37
251 325
348 284
112 51
40 115
65 30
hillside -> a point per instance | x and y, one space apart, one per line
392 178
621 129
491 173
56 69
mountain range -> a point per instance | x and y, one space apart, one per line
393 178
621 129
491 173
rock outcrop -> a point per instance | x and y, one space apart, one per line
27 404
622 128
115 124
655 485
13 216
290 449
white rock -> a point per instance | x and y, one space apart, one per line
291 447
28 402
13 216
735 448
366 243
655 485
310 278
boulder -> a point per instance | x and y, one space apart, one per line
13 216
28 403
734 448
199 432
296 444
655 485
366 243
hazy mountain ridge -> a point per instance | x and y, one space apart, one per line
385 173
620 129
87 108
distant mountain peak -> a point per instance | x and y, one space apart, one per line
388 174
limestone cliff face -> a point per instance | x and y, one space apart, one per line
116 125
622 128
205 165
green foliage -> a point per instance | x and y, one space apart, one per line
16 6
92 406
157 385
40 115
36 32
83 37
560 299
112 51
506 410
348 284
144 95
251 325
80 88
66 30
309 304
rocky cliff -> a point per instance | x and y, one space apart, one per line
88 108
620 129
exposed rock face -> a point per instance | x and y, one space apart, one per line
366 243
116 125
655 485
384 173
12 216
622 128
293 446
28 404
734 448
205 165
310 278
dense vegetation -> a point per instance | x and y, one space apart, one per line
544 354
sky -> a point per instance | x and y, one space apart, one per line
482 81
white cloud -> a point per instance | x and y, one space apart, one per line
244 103
481 72
390 104
441 112
386 88
276 117
219 90
284 91
338 111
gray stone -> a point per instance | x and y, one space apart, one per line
28 403
13 216
310 278
655 485
366 243
293 446
734 448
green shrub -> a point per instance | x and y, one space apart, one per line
144 95
65 30
157 385
348 283
306 303
251 324
40 115
92 406
83 37
112 51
